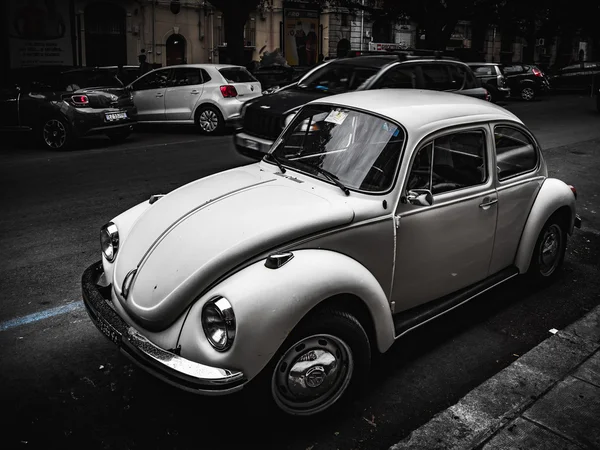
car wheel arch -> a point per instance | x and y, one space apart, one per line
203 104
554 198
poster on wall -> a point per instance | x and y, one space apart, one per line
39 33
301 34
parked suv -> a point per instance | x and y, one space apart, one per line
492 79
60 104
265 118
526 81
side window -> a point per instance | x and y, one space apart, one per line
154 80
402 76
436 77
459 77
205 76
188 76
450 162
484 70
515 153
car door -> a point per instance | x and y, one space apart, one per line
184 89
245 84
517 158
447 245
149 95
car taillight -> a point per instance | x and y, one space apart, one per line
537 72
488 97
228 91
80 100
573 190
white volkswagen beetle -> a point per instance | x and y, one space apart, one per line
373 213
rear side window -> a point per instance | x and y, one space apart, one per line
515 152
205 76
436 77
462 77
402 76
237 75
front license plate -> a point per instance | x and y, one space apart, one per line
252 144
116 116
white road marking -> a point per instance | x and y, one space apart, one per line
35 317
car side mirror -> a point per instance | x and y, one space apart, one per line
421 197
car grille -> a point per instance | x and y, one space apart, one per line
262 124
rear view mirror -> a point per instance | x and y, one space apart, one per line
421 197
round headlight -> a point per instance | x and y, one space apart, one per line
218 322
109 241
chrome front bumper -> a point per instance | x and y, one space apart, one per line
163 364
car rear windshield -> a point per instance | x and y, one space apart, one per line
237 75
337 78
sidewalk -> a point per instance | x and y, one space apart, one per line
547 399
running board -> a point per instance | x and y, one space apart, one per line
406 321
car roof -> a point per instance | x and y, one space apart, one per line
204 66
484 64
424 110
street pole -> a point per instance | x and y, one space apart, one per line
362 25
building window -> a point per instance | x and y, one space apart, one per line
345 20
249 32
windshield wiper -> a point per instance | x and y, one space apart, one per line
331 177
276 160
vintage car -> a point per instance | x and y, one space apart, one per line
373 213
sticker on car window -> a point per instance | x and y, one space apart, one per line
336 116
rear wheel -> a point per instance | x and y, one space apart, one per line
56 133
527 93
210 120
549 251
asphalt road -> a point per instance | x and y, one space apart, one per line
63 385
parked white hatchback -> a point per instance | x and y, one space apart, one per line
373 213
207 95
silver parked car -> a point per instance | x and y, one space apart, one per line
373 213
207 95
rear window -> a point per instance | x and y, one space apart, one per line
484 70
237 75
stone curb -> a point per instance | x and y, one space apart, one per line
499 400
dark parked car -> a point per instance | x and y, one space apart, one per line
61 104
576 77
492 78
265 117
526 81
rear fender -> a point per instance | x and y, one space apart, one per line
553 195
269 303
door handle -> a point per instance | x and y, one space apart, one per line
487 202
195 91
159 95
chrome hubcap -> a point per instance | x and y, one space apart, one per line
550 249
312 375
527 93
208 120
54 133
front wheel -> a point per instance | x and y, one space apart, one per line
549 251
527 93
321 362
209 120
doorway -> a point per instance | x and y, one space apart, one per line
176 50
105 38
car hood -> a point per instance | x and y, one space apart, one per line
188 239
284 100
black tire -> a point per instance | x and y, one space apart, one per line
323 336
118 136
543 268
528 93
209 120
56 134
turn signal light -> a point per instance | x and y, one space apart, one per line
537 72
573 190
80 100
228 91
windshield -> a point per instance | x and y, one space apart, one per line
359 149
337 78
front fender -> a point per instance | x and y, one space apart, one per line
553 195
269 303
